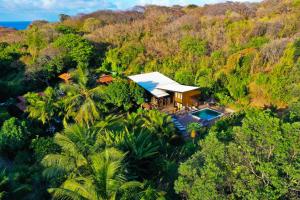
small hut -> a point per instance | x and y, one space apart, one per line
146 106
65 76
105 79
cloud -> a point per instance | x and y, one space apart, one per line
17 10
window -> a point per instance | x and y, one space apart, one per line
178 95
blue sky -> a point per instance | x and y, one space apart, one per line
28 10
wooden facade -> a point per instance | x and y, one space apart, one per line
177 99
186 98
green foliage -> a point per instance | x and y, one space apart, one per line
242 54
81 103
35 40
204 79
118 94
123 94
13 135
43 146
45 68
4 115
43 106
12 70
104 180
102 175
193 46
194 126
294 111
283 82
8 55
77 48
137 93
253 166
159 124
125 58
66 29
91 24
4 185
257 42
184 77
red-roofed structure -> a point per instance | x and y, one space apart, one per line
105 79
65 76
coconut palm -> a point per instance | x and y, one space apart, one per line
76 143
43 106
140 145
103 181
110 122
83 104
4 181
133 121
158 123
141 148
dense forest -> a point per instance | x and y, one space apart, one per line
78 139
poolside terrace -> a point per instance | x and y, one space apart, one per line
182 118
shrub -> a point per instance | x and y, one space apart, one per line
13 135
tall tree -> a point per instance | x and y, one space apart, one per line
82 103
259 163
43 106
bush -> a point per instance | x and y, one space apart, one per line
43 146
13 135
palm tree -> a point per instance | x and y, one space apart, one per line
76 143
141 148
159 123
43 107
82 103
4 182
104 181
133 121
110 122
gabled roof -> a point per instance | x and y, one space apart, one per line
177 88
157 84
105 79
65 76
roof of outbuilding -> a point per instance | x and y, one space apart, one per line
157 84
65 76
105 79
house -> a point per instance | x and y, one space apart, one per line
164 92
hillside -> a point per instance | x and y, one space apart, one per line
73 127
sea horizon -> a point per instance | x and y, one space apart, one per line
18 25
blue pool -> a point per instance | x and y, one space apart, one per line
207 114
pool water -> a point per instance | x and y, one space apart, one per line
207 114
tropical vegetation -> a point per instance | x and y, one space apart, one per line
79 139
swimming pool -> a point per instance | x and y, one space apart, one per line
207 114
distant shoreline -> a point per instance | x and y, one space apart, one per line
18 25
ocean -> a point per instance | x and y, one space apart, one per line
21 25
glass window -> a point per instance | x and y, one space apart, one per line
178 95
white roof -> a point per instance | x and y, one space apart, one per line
157 84
177 87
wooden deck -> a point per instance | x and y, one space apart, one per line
184 117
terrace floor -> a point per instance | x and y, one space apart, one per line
183 118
